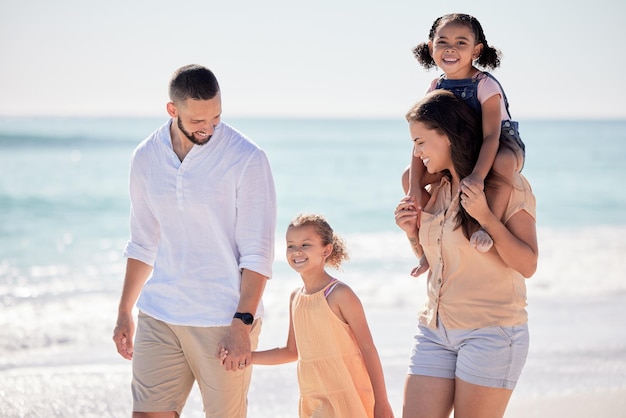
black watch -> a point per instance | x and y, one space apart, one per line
246 317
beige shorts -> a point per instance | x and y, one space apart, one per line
167 359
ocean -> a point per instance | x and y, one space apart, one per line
64 221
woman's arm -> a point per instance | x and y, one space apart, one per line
407 218
516 242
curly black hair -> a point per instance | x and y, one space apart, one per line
489 57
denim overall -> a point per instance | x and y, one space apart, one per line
467 89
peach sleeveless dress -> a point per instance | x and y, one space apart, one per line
331 372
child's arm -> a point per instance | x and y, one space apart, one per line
280 355
492 123
346 304
416 172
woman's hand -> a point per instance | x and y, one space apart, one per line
515 241
474 180
406 216
474 201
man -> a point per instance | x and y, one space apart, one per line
202 227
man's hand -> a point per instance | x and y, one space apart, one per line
234 349
123 335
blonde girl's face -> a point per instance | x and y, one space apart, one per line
305 249
454 50
432 147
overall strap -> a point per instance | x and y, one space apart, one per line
506 101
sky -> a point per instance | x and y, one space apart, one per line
287 58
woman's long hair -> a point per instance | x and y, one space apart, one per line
441 110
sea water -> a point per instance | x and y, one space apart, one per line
64 221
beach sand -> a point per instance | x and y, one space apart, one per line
96 382
103 391
610 404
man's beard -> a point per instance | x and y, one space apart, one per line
190 135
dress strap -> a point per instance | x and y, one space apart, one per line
330 287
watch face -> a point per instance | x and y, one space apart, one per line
246 318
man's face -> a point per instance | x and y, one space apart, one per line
197 119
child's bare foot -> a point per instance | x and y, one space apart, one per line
481 241
422 267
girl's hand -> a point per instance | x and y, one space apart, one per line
382 410
406 215
223 354
474 202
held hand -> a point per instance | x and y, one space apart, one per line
474 201
416 195
123 335
223 355
234 349
407 216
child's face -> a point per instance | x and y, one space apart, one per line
454 49
305 250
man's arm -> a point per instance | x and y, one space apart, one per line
237 339
137 273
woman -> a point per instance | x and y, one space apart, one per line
472 338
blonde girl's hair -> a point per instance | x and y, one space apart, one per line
328 236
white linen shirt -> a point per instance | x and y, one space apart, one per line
198 223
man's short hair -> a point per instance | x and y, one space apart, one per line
193 82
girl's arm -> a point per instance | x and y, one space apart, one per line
492 123
280 355
516 242
346 304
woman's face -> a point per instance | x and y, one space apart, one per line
432 147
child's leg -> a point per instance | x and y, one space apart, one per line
497 194
415 178
424 196
405 180
505 166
